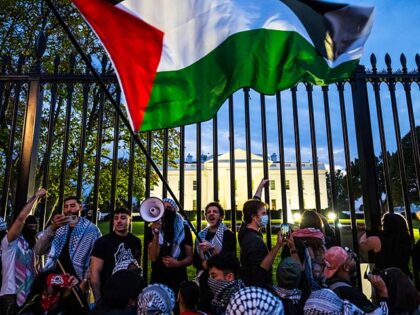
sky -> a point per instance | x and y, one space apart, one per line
394 31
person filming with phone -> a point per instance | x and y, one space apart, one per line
68 243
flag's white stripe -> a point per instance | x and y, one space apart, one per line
194 28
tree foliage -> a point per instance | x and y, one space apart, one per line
20 24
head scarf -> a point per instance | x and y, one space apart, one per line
254 300
171 202
156 299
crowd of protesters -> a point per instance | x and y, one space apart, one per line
70 268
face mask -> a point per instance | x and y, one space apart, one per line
216 285
264 220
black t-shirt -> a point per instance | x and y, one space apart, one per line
170 276
228 246
253 251
65 259
114 249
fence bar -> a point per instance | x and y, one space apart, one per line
86 88
281 156
265 166
97 176
232 165
215 161
69 101
365 150
309 90
248 144
400 152
413 133
198 178
165 161
130 186
297 149
376 89
349 177
12 135
181 164
331 162
114 175
50 138
147 195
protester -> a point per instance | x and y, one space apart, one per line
120 294
18 261
223 281
340 271
403 296
68 243
47 293
170 248
156 299
254 300
289 275
326 302
216 238
116 248
188 296
392 246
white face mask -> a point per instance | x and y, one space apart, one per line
264 220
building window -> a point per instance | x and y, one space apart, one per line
272 184
194 205
273 204
194 185
287 184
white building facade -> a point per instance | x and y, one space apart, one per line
275 202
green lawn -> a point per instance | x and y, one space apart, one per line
138 230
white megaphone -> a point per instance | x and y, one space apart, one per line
152 209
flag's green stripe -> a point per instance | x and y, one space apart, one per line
265 60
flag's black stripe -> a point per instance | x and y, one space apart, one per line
115 1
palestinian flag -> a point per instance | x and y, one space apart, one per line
177 61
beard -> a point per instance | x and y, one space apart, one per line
29 235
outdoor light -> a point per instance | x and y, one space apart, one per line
297 217
331 216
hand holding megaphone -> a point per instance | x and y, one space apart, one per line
152 210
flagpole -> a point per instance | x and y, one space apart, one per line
120 112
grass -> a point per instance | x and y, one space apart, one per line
138 230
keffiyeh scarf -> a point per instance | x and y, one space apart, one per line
216 241
254 300
326 302
293 295
179 235
223 290
81 243
156 299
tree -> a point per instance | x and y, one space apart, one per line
20 23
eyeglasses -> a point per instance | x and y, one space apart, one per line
351 253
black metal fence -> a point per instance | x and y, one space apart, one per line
58 130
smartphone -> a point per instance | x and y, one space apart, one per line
72 219
59 280
285 230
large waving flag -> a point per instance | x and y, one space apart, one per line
177 61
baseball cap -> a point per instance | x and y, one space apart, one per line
288 273
334 258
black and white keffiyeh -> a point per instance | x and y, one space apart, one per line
156 299
216 241
254 301
223 290
293 294
326 302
